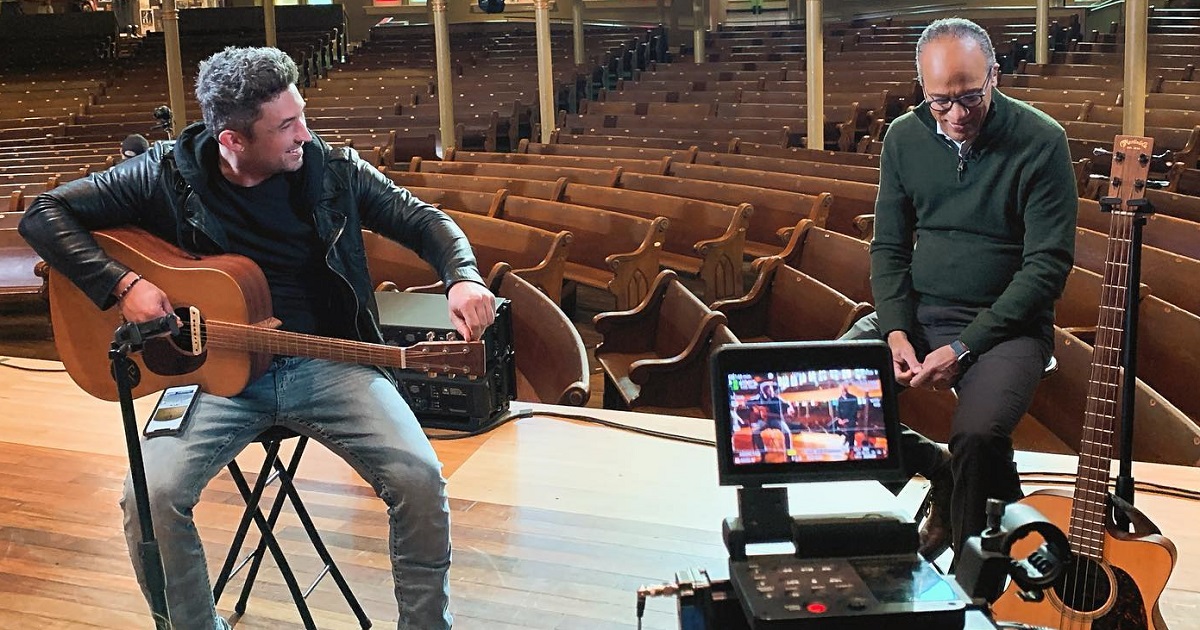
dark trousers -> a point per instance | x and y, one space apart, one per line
993 393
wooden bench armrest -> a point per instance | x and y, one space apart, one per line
437 288
575 395
819 212
641 371
747 315
865 224
633 271
625 331
794 241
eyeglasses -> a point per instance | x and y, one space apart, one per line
944 104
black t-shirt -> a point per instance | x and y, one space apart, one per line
267 224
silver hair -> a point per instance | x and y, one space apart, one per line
958 28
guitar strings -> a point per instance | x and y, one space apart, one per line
233 336
1089 515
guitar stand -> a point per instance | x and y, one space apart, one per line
130 338
1140 208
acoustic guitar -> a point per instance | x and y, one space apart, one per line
1116 576
227 337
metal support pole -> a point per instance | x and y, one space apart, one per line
546 98
170 20
1137 16
815 75
1042 51
445 88
269 22
577 27
698 29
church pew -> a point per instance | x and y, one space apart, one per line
787 305
537 189
706 238
655 354
1172 234
539 256
591 176
1163 433
773 209
840 261
551 360
616 252
685 156
630 165
1173 204
849 200
1171 277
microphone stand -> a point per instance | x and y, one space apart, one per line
127 339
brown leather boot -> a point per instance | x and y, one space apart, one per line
937 532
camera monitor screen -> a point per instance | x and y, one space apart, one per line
805 411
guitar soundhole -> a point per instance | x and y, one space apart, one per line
1085 586
171 356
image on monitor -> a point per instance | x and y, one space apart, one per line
805 411
830 415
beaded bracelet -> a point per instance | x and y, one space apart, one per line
125 291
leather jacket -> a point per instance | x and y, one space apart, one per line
166 192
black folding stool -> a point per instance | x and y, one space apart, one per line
272 439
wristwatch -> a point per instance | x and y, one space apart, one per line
962 353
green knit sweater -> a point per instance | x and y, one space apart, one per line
995 230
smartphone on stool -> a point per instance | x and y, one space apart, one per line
172 411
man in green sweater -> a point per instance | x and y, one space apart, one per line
974 238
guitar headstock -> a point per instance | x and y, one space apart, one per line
1130 169
463 358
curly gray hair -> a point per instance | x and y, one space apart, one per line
234 83
958 28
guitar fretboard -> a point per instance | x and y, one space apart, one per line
1089 509
248 338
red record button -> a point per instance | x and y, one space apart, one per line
816 608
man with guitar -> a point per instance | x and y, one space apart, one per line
251 179
974 238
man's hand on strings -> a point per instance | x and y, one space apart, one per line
472 309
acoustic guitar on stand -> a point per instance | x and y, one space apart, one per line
227 337
1116 576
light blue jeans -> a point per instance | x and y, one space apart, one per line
354 411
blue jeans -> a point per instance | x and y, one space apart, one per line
354 411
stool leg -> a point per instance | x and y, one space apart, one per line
251 498
287 487
256 558
264 529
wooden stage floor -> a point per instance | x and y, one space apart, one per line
555 522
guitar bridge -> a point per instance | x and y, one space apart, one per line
195 328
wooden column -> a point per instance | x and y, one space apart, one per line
698 53
577 24
1137 16
814 74
269 22
445 87
545 69
170 21
1042 50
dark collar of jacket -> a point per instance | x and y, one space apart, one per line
994 124
195 155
